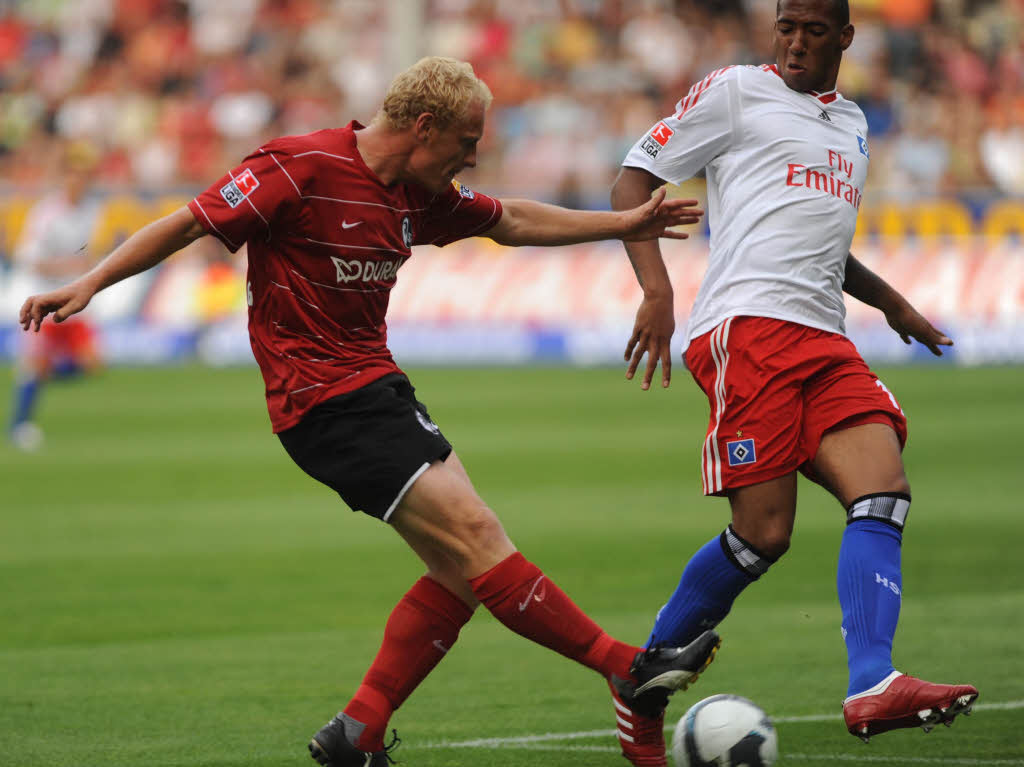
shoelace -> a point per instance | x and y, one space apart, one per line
395 743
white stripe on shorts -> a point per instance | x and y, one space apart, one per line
403 491
712 468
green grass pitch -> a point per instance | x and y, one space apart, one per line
175 592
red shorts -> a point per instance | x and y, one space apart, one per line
71 339
775 389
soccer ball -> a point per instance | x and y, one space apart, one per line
725 731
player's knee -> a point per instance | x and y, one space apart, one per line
773 543
769 536
479 532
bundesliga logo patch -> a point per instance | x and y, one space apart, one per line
240 187
465 191
656 139
741 452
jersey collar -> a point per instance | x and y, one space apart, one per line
825 98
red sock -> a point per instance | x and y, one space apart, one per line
521 596
422 628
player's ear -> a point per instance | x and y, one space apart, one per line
424 126
846 36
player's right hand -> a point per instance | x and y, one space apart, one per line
61 303
652 335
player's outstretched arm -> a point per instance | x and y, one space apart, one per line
143 250
655 318
527 222
864 285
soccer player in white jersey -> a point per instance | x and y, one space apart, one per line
786 158
51 251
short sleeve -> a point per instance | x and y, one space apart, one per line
702 127
250 201
455 214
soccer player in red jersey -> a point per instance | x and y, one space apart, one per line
785 157
329 218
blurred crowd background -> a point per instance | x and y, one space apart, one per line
174 92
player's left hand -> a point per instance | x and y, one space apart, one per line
909 323
654 218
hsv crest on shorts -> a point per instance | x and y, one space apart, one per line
741 452
240 187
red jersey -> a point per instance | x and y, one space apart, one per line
325 241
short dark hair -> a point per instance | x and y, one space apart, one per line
840 11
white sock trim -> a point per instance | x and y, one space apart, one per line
878 689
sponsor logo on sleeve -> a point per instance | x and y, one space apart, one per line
656 139
240 187
463 190
741 452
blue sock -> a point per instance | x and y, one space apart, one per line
66 367
710 583
870 585
25 394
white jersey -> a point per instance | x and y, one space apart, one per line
785 175
54 236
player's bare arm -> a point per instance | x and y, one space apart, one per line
527 222
866 286
655 318
143 250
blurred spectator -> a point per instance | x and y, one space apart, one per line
171 91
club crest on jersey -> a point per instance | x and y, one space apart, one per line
862 144
463 190
741 452
407 231
656 139
240 187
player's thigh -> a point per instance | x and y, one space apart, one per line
368 445
854 429
442 513
441 566
763 514
859 460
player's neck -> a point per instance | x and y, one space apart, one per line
384 151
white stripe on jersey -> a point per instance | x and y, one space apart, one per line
326 154
342 290
355 247
214 228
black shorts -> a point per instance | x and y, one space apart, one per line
369 445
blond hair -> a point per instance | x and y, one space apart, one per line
442 86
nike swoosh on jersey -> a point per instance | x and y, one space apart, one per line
347 225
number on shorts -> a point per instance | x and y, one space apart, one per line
892 399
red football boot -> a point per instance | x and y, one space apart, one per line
641 735
902 701
640 702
